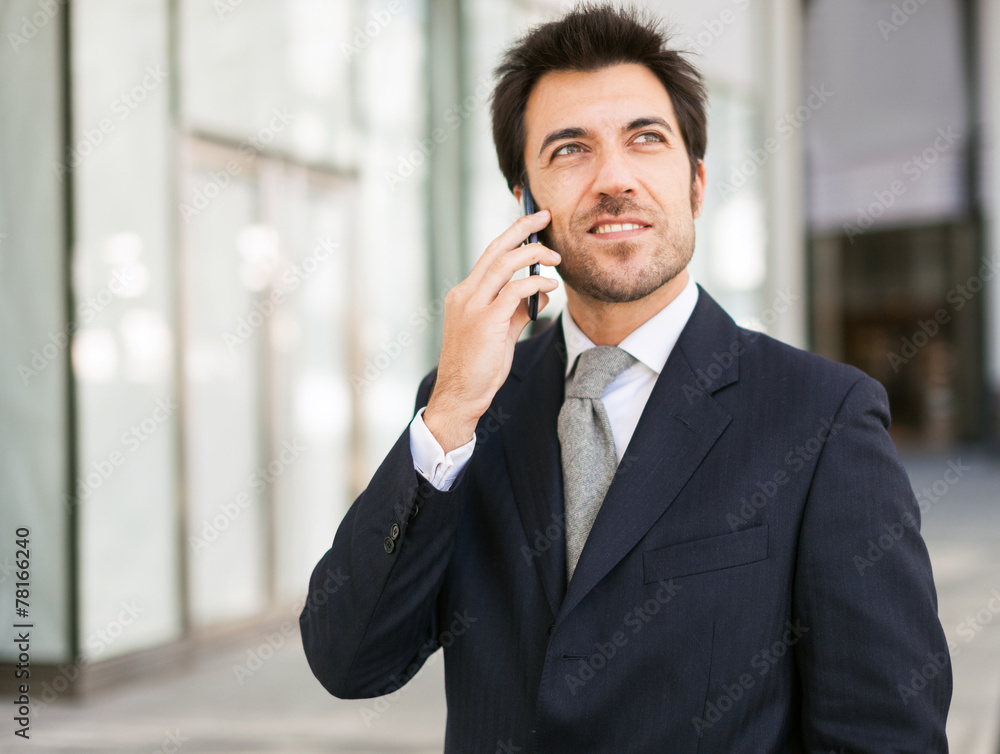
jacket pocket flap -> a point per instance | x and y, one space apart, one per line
702 555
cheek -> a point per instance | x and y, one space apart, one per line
551 234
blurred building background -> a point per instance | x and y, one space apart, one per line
226 230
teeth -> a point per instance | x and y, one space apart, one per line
600 229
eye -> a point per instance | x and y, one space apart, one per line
567 149
648 138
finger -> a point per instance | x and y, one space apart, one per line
504 267
510 239
521 317
515 291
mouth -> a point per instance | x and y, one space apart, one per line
618 228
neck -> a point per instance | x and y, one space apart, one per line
609 324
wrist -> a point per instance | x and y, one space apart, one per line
451 428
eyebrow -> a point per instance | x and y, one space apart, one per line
563 133
643 122
577 133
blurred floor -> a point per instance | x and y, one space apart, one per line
280 708
962 530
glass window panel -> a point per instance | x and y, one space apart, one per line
309 338
241 66
227 258
391 248
33 336
123 354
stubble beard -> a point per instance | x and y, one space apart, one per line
582 270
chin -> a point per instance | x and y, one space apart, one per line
626 271
617 289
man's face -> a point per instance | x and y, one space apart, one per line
604 154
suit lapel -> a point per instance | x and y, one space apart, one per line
679 425
531 450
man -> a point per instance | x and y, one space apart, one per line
646 529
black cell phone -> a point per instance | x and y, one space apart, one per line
528 208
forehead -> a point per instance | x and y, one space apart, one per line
594 100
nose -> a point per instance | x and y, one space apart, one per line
614 175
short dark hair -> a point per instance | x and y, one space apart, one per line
589 38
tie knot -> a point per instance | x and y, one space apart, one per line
596 369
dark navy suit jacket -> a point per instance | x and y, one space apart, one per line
755 580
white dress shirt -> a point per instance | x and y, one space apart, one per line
624 399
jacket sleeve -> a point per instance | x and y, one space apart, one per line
874 663
369 621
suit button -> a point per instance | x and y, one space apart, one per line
389 545
552 629
394 531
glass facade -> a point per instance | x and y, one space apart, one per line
36 323
197 268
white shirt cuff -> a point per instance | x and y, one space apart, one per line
429 458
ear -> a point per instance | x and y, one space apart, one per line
517 193
698 190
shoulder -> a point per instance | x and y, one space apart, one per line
794 376
768 356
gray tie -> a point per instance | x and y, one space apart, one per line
588 447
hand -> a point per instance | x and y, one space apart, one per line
484 316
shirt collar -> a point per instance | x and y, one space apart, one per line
651 342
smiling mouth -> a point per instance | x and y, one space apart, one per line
606 228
